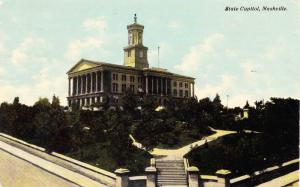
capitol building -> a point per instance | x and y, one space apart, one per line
90 81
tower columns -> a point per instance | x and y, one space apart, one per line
102 72
146 84
69 93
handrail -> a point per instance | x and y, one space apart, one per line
186 165
60 156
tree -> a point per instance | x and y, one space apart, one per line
43 101
55 102
16 101
130 103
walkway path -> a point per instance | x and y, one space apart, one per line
175 154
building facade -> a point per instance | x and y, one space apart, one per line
90 81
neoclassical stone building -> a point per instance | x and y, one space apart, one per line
89 81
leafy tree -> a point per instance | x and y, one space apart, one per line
55 102
43 101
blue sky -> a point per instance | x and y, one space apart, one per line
245 55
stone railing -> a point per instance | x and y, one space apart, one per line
94 173
137 181
265 175
223 177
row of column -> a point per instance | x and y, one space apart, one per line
161 85
158 85
87 83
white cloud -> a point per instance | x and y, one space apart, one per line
174 24
272 53
240 100
209 90
2 72
89 43
76 47
43 85
1 2
29 45
192 60
98 23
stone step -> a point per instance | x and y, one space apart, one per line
169 166
171 179
168 182
171 173
170 170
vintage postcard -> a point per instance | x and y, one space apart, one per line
155 93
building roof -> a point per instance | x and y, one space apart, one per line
94 64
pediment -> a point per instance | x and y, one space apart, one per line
82 65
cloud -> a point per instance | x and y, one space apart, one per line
98 24
28 46
42 85
1 2
209 90
88 43
174 24
2 72
76 47
196 54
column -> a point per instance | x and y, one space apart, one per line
156 80
102 81
77 85
161 86
81 78
193 89
122 177
193 176
223 178
151 176
96 81
146 84
152 84
86 83
92 82
69 86
166 87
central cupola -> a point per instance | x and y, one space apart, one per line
135 54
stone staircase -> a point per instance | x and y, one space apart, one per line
171 173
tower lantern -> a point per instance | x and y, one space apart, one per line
135 54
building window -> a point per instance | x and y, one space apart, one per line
175 84
180 84
131 78
115 76
123 88
180 93
123 77
175 92
129 53
186 85
132 88
115 87
186 93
